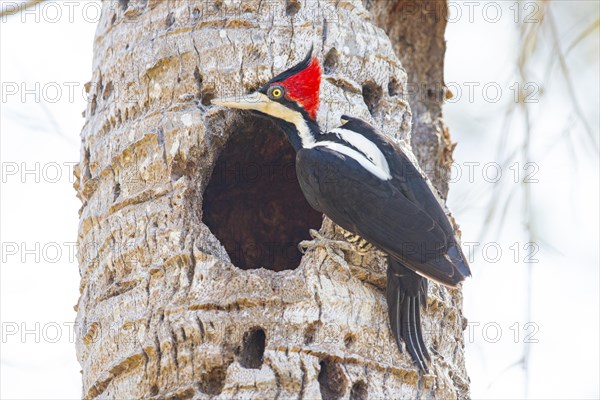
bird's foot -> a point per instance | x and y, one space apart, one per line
332 247
360 245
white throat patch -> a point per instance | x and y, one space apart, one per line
280 111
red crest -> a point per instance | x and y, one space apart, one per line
303 86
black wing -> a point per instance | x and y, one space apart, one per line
406 177
381 213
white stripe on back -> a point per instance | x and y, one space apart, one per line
372 160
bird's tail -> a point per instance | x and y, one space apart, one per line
406 293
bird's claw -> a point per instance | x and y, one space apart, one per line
332 246
360 245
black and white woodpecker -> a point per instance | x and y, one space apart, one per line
365 183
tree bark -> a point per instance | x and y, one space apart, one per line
416 30
191 286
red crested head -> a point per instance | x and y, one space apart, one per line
303 87
299 84
291 100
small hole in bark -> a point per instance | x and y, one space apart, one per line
117 191
394 87
153 390
332 381
170 20
253 349
348 340
292 7
195 13
331 60
113 19
199 79
358 391
206 96
253 203
124 4
213 381
372 94
435 94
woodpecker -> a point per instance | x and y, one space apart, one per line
366 184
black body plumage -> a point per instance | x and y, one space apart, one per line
400 216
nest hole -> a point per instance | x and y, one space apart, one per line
253 202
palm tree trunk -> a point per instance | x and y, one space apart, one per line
191 283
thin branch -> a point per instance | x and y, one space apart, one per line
570 88
22 7
584 34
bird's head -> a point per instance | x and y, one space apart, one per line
291 97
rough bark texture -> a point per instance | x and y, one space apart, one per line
416 30
170 197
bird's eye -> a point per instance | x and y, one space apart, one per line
276 92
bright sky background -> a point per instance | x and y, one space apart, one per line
39 208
